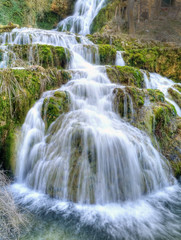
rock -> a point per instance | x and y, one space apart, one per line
54 106
8 28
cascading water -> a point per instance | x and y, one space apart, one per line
101 170
163 84
84 14
103 175
119 59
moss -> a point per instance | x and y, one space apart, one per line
176 166
163 114
105 15
175 95
178 87
125 75
1 55
137 95
165 61
142 58
12 11
107 54
156 95
19 90
134 98
43 55
158 118
48 21
154 56
54 106
8 28
8 146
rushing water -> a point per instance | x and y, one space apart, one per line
84 14
91 175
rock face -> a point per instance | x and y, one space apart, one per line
41 55
148 111
19 91
154 56
54 106
8 28
128 76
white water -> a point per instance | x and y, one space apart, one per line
116 168
156 81
119 59
107 170
84 14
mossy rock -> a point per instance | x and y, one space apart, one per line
176 166
19 91
1 55
165 61
156 95
154 56
54 106
128 97
8 28
43 55
175 95
107 54
106 14
152 114
178 87
125 75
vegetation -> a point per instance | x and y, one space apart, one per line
42 55
54 106
36 13
162 58
125 75
158 118
107 54
19 89
11 221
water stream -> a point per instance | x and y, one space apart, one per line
91 174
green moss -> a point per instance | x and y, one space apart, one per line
54 106
142 58
107 54
19 90
43 55
176 166
133 96
165 61
12 11
175 95
8 146
48 21
1 55
104 16
156 95
158 118
153 56
178 87
125 75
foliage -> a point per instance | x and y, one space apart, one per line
107 54
19 89
125 75
54 106
11 221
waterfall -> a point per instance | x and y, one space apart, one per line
115 161
119 59
90 167
84 14
156 81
